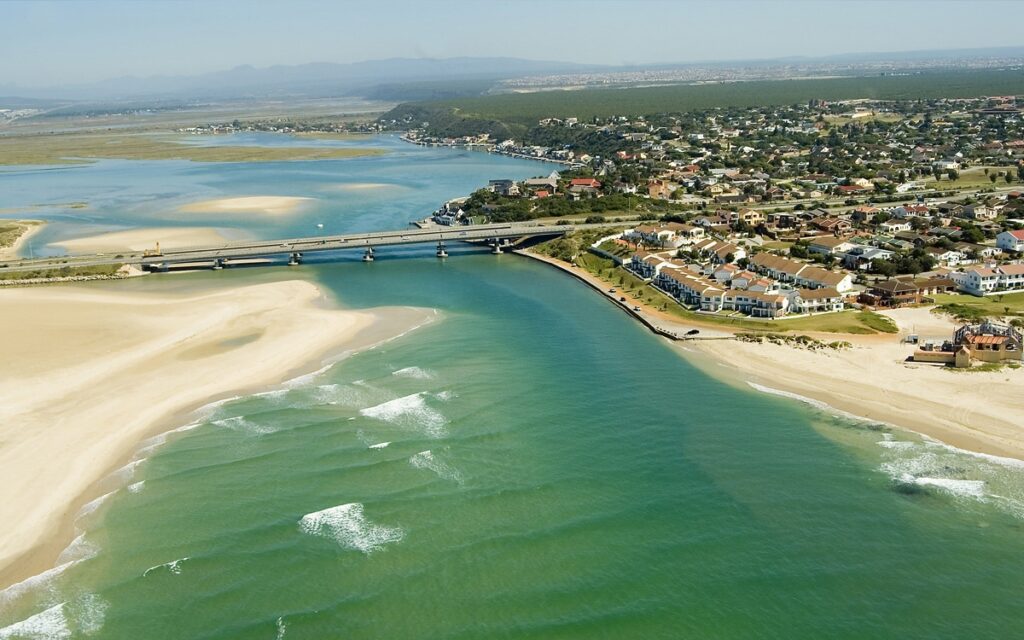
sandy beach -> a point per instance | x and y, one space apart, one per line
90 371
977 411
142 239
31 228
271 205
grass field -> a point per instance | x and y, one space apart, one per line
79 148
849 322
1010 304
974 178
526 109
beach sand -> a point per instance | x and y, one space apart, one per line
30 228
90 371
272 205
978 411
142 239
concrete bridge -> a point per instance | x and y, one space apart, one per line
496 236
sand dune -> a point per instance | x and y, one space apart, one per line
142 239
273 205
88 372
978 411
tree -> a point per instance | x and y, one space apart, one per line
1008 178
991 177
953 174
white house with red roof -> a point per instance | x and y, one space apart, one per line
1011 240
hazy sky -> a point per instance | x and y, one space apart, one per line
50 43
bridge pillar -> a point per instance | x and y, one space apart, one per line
441 252
295 259
219 263
368 256
496 247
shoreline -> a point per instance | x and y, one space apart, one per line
870 381
31 228
49 508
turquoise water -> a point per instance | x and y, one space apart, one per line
551 470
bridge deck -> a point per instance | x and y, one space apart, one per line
265 248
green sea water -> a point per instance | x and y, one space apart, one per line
551 470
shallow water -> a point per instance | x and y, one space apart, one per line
535 465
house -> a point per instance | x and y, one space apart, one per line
820 300
756 304
1011 240
894 226
647 265
862 257
503 187
982 281
947 257
800 273
978 212
830 224
892 293
829 245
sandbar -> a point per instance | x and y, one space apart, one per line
272 205
142 239
29 229
90 371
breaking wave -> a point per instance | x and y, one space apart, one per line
348 525
413 372
409 411
243 425
427 460
173 567
81 616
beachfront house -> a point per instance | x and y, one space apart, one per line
982 281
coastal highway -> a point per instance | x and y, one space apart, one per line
302 246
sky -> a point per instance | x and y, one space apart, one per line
44 43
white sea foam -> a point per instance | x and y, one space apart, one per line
38 582
51 624
127 472
136 487
413 372
303 380
79 549
427 460
445 395
379 445
209 409
243 425
281 628
817 404
272 395
90 507
964 488
173 567
348 525
411 412
84 615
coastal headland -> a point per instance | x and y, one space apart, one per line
93 370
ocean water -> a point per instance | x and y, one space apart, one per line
534 465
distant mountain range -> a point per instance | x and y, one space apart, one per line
401 79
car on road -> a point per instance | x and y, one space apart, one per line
612 290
